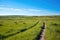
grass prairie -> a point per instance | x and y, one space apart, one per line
29 27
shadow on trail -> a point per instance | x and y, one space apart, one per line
2 37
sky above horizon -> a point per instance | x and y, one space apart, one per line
30 7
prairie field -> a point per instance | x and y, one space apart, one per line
29 27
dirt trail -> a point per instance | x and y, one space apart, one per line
43 32
42 35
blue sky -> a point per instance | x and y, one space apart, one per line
30 7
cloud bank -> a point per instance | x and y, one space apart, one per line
21 11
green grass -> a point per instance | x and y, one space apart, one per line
52 29
14 24
30 34
10 25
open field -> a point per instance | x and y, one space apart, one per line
52 29
29 27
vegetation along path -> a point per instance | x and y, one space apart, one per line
3 37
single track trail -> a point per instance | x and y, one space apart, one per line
42 35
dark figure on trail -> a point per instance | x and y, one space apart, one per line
44 25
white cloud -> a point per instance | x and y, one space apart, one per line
14 11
